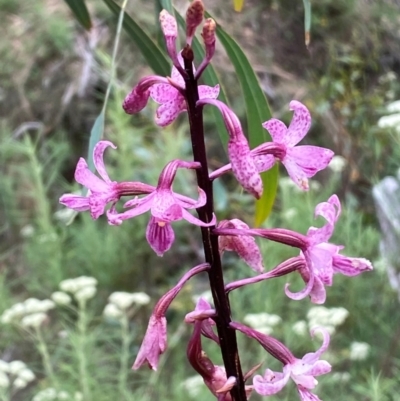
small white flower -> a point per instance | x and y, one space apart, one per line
125 299
78 396
75 284
338 316
315 185
337 164
300 328
19 383
290 213
7 317
61 298
15 367
359 351
34 320
393 107
193 385
85 293
343 377
4 366
63 395
112 311
4 380
64 215
206 295
391 121
262 320
27 375
27 231
48 394
265 330
33 305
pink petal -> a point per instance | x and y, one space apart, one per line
325 341
310 159
98 161
321 263
163 93
136 100
272 382
329 210
296 173
277 130
306 395
320 368
350 266
143 207
88 179
169 111
304 292
264 162
75 202
209 92
300 124
318 292
164 206
160 236
193 220
154 343
243 165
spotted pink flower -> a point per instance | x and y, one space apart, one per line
101 190
168 92
165 206
301 371
245 246
301 162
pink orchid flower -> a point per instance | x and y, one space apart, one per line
101 190
155 340
301 371
301 162
165 206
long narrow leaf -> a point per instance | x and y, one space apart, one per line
78 7
154 56
257 111
209 77
307 21
167 5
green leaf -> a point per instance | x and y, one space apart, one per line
96 134
78 7
307 21
257 111
209 77
154 56
167 5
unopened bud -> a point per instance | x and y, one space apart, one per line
208 33
168 24
194 17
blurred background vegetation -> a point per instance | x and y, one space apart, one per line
53 78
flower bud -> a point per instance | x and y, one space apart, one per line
194 16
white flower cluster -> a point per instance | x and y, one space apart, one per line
193 385
15 374
393 119
359 351
30 313
51 394
337 164
82 288
320 316
120 302
263 322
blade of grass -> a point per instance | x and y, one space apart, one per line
79 9
154 56
307 21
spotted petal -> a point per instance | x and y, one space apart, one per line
160 236
170 110
272 382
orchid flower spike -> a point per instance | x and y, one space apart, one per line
301 162
301 371
165 206
243 165
245 246
101 190
155 340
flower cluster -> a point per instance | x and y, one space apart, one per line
15 374
318 259
30 313
51 394
120 303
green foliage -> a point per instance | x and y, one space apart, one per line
78 7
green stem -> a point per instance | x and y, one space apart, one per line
44 352
124 360
83 372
